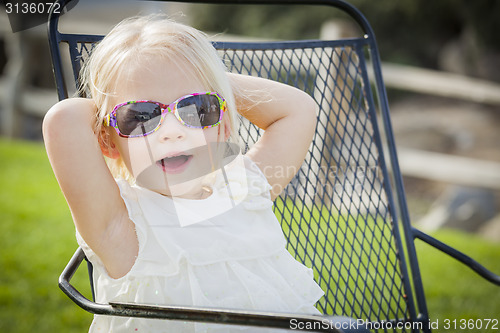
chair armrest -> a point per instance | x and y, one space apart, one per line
224 316
463 258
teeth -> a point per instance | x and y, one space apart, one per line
173 158
174 161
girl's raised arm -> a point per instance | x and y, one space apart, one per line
93 196
288 117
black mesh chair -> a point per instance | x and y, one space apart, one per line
345 213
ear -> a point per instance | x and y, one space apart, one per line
108 147
227 129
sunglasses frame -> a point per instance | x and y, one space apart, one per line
110 119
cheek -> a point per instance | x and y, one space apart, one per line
137 154
201 137
210 135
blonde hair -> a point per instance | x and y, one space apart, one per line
156 35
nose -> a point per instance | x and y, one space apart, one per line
171 129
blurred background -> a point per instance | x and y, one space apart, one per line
441 66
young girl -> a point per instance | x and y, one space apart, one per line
179 216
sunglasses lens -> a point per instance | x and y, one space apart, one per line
199 110
137 119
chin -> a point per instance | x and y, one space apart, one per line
171 185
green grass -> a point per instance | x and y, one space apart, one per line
453 291
37 239
353 259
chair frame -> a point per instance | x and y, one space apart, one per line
409 263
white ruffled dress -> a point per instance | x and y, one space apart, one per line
226 251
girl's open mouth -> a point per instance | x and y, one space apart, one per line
174 164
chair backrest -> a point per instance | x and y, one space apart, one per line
344 214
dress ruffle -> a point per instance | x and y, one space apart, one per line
235 258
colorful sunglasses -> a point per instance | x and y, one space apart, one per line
140 118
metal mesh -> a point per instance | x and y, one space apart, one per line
335 213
